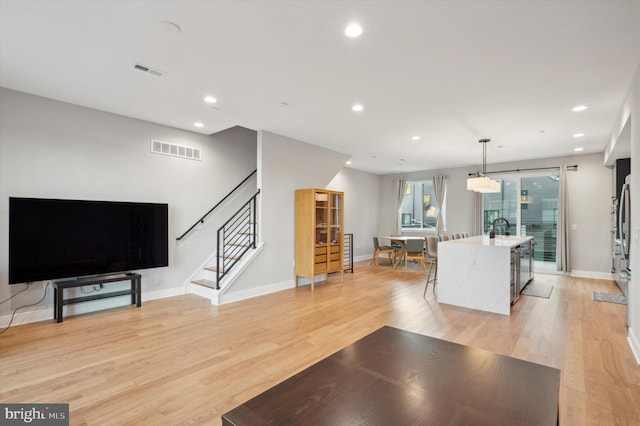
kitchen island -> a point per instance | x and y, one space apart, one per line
483 273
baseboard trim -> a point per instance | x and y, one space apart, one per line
363 257
249 293
634 343
46 312
592 274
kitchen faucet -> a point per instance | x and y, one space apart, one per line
492 234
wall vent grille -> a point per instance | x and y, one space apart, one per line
180 151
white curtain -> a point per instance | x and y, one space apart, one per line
439 188
401 190
563 249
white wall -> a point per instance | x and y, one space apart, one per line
630 112
284 165
361 208
52 149
589 201
633 99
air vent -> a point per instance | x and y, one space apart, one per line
149 70
180 151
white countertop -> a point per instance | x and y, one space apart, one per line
484 240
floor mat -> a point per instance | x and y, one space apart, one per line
611 298
537 290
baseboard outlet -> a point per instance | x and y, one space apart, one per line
635 344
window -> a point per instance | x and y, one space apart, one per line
419 209
530 204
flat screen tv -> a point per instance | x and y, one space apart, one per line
52 239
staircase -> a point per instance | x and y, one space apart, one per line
236 246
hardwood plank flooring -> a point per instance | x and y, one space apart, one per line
181 360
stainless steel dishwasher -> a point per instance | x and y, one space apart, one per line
526 264
515 274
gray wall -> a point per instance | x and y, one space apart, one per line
361 208
589 202
284 165
52 149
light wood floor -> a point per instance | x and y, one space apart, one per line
181 360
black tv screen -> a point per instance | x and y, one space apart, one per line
52 239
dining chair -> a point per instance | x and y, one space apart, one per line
465 235
390 251
432 253
444 237
414 250
457 236
394 244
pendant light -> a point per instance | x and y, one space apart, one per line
482 182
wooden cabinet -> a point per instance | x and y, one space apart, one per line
319 233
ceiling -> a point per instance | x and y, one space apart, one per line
451 72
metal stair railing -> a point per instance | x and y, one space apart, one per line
201 220
236 237
348 253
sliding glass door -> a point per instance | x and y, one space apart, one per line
530 205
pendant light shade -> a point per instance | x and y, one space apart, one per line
483 183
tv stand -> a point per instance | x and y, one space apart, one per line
59 286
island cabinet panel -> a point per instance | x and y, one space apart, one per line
319 230
482 273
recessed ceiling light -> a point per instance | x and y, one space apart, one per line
357 107
353 30
210 99
578 149
415 138
348 162
579 108
198 124
578 135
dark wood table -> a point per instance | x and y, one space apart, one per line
395 377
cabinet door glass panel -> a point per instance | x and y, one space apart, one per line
335 217
322 216
321 236
335 235
322 206
335 201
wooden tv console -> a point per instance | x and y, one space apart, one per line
59 286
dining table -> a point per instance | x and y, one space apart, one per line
400 240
